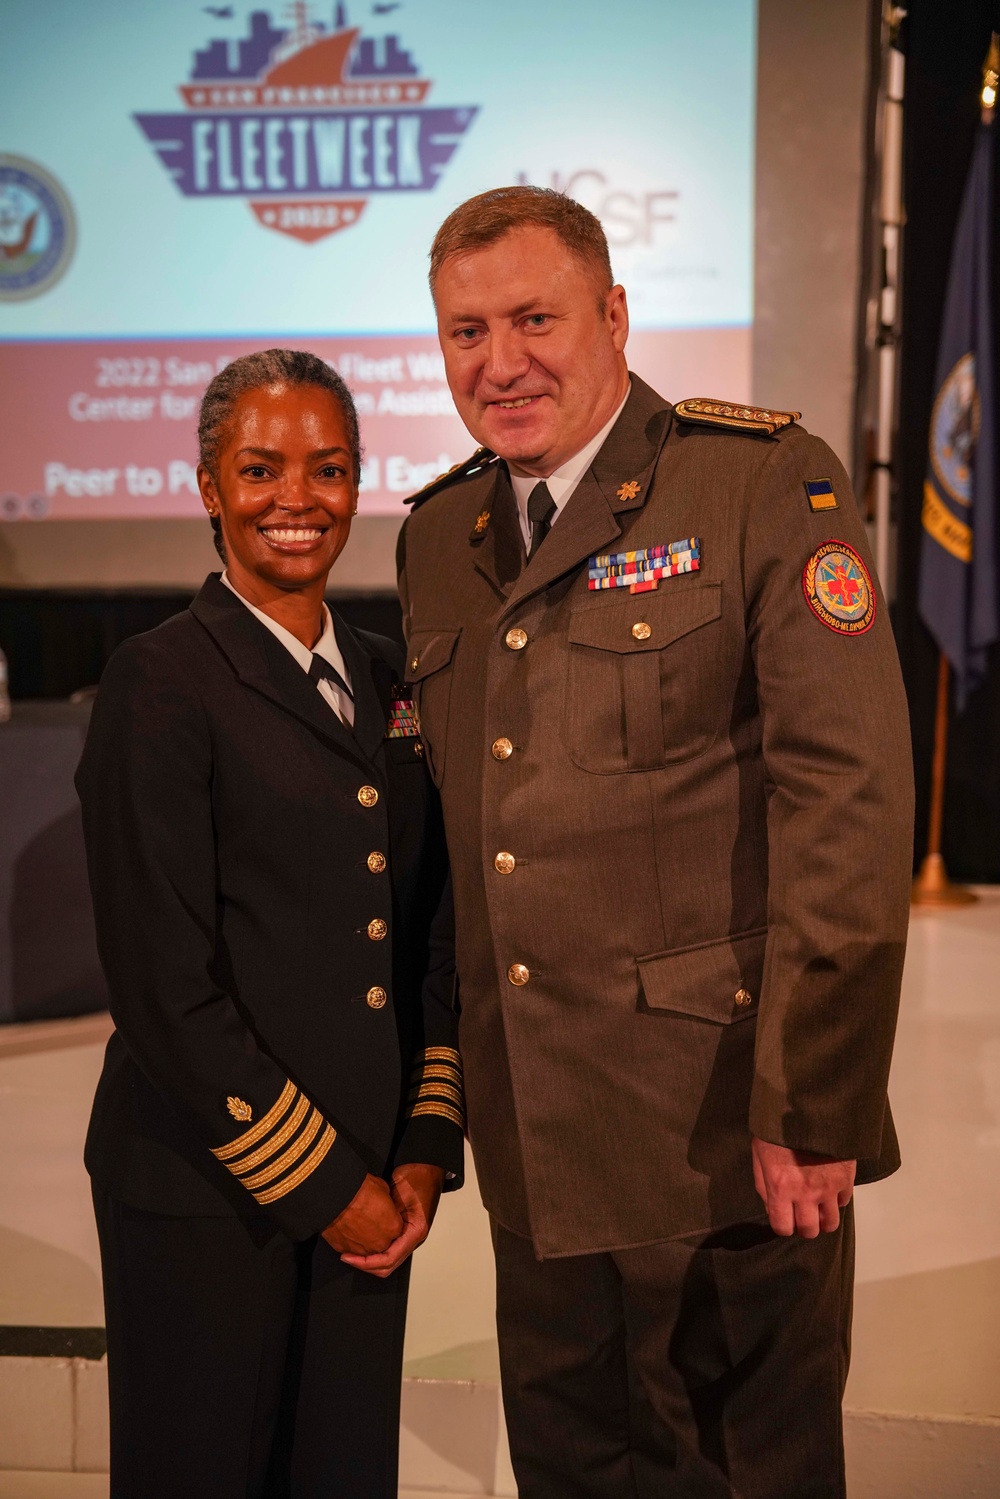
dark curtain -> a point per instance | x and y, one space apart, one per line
946 44
58 641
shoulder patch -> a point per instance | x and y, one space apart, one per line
709 412
839 590
482 458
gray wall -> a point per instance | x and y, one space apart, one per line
810 152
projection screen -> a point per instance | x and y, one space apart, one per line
181 184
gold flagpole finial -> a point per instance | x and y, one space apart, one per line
991 80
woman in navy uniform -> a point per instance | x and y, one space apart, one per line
281 1102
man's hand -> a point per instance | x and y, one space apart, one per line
370 1222
803 1192
416 1191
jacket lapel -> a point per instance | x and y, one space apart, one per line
499 550
263 664
617 481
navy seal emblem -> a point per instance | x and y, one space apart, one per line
37 229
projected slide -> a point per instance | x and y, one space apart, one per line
184 183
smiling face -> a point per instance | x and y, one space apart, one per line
535 368
284 489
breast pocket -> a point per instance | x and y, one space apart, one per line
429 664
647 679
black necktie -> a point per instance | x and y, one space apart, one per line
541 509
321 670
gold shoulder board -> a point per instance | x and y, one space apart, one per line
712 413
482 458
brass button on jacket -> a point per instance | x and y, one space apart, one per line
505 863
376 863
743 997
368 796
518 975
516 639
377 929
641 630
502 749
376 997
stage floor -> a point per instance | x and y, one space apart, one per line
927 1325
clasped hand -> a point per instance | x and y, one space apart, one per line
381 1226
803 1192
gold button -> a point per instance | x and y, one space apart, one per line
505 863
368 796
518 974
502 749
376 863
376 997
641 630
516 639
414 662
377 929
743 997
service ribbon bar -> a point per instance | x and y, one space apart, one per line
641 571
402 720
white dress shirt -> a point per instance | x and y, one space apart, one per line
326 646
563 480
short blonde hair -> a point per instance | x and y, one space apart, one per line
483 220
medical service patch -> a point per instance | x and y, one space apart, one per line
839 590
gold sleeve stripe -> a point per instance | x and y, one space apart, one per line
440 1054
271 1147
438 1069
441 1090
261 1128
306 1169
297 1149
445 1110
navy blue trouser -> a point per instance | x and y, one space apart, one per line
243 1366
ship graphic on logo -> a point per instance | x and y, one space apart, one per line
305 123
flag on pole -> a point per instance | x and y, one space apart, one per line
959 582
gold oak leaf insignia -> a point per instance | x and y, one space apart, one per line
629 491
239 1110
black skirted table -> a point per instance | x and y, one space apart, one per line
48 952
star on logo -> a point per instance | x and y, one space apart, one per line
629 491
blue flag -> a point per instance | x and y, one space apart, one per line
958 594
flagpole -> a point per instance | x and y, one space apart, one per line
932 887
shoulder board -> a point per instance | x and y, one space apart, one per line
711 413
482 458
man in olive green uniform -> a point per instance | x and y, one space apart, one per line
658 691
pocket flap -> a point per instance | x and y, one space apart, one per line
428 651
704 981
645 621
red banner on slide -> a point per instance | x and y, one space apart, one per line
104 430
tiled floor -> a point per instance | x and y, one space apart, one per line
928 1298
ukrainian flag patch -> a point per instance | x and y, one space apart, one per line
819 493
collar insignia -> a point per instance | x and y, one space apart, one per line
628 491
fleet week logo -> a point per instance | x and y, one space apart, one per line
306 123
37 229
